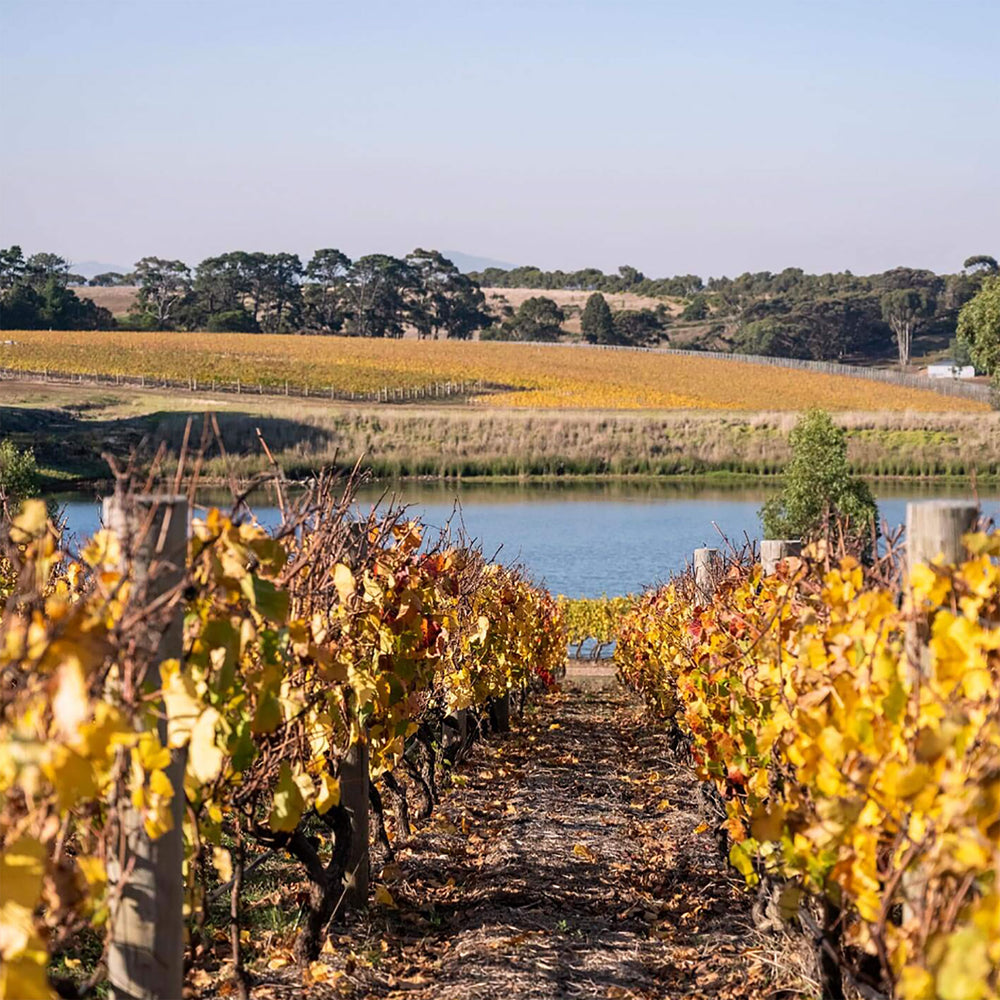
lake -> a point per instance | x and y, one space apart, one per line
584 540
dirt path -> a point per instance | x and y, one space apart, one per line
565 862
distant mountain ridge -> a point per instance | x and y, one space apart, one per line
89 268
466 262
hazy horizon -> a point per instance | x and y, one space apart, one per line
831 137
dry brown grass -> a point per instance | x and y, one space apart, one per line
118 301
573 302
72 425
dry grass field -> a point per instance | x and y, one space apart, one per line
118 301
572 303
534 376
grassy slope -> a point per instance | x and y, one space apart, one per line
69 428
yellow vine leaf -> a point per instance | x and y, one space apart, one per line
204 756
286 810
329 794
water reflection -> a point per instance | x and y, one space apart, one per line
587 538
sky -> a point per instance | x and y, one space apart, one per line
707 138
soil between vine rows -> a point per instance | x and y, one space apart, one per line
565 861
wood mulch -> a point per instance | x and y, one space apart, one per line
566 860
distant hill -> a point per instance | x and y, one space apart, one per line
466 262
88 268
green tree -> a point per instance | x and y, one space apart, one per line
19 480
41 268
220 284
696 309
163 286
762 337
597 323
903 309
282 291
325 294
53 306
983 262
108 279
21 309
630 276
537 318
638 327
979 327
376 290
444 299
818 488
12 266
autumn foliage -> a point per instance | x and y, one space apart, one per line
850 735
297 644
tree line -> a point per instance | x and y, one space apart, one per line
787 314
821 317
34 295
374 296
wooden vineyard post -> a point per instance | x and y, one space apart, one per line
354 773
934 528
500 713
707 565
354 798
455 733
146 951
773 550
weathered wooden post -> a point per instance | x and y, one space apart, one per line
773 550
354 793
454 733
934 529
146 953
707 566
354 772
500 713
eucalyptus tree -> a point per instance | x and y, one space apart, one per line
163 287
12 266
325 293
444 299
903 309
376 288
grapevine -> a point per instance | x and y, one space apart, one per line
297 645
851 772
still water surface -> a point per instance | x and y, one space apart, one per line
585 540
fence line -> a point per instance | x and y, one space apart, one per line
384 394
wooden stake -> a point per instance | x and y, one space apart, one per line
934 530
707 566
773 550
354 798
146 953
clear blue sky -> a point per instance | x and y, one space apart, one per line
706 137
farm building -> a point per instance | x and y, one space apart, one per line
950 369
